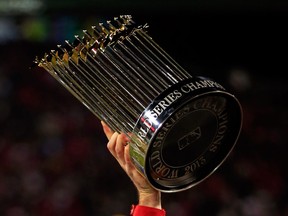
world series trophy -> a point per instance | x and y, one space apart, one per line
181 127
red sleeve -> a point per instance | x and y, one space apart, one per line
138 210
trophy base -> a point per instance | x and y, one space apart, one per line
186 134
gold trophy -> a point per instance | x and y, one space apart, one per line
181 127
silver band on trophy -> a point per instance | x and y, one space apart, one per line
181 127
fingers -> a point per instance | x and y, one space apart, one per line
116 146
128 162
119 148
111 145
108 132
129 166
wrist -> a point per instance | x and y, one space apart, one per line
150 199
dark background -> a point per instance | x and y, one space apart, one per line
53 156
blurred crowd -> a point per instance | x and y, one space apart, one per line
54 161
